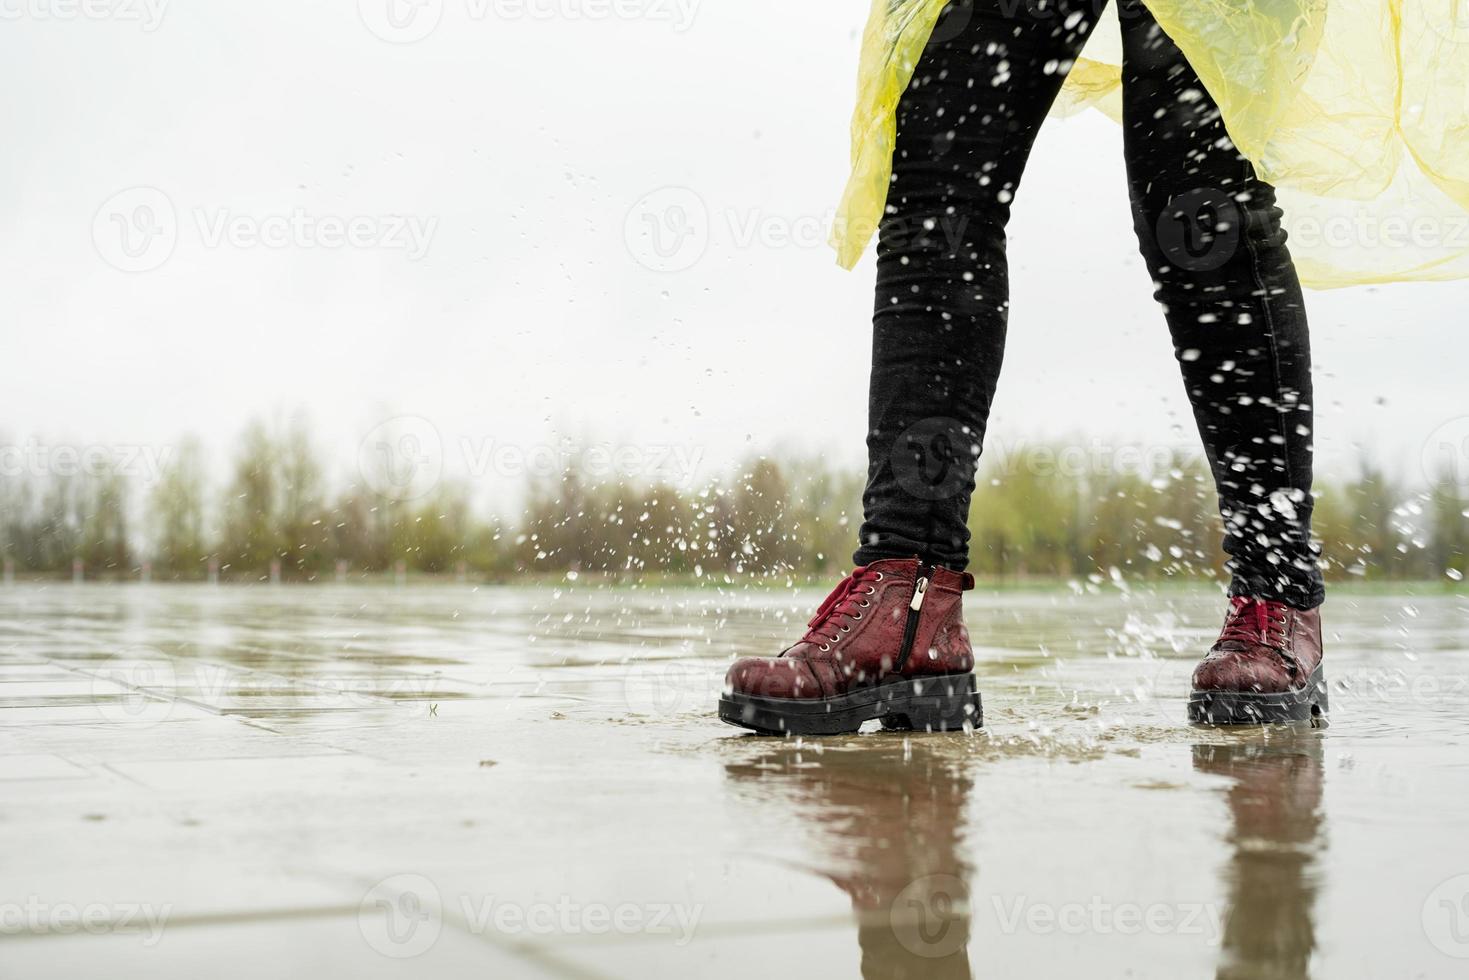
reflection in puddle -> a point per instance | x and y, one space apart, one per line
886 820
889 822
1276 838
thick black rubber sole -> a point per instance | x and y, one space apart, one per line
1243 708
928 704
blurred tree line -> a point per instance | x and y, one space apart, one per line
276 515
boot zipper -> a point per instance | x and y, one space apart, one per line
920 589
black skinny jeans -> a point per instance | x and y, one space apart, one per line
1209 231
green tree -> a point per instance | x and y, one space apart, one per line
251 534
105 545
176 515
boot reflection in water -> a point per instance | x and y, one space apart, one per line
889 825
1275 806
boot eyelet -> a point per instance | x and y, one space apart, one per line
824 647
871 591
856 617
864 603
879 576
846 629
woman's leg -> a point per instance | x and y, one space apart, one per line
1210 232
965 127
889 642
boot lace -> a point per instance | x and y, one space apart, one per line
1255 621
846 602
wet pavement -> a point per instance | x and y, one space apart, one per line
453 781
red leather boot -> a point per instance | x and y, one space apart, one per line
1265 667
888 643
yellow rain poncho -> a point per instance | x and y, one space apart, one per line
1357 111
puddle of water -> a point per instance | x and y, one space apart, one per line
424 759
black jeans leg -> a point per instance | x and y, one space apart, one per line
965 127
1210 233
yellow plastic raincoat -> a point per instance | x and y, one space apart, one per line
1357 111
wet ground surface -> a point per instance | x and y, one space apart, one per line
450 781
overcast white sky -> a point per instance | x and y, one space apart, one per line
516 138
